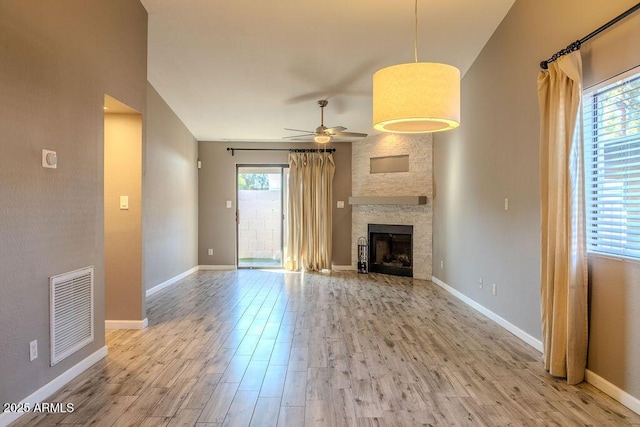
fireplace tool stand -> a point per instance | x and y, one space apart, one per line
363 256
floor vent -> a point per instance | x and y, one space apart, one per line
71 299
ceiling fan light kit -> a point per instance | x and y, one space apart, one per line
322 139
417 97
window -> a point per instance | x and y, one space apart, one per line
612 166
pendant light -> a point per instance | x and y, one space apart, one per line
417 97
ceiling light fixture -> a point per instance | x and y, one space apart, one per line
416 97
322 139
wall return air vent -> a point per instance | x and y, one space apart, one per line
71 305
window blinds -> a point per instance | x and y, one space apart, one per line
612 167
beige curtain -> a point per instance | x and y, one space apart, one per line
564 265
309 228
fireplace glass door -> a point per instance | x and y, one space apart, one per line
391 249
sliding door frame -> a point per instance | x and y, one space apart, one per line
283 187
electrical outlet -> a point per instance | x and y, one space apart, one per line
480 284
210 251
495 289
33 350
441 264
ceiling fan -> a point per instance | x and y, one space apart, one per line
323 134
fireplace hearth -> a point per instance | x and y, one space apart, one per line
391 249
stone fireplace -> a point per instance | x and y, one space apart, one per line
397 198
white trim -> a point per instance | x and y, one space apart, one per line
611 80
343 268
54 385
126 324
613 391
171 281
216 267
612 257
532 341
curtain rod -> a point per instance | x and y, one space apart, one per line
576 45
291 150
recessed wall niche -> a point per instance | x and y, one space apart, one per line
389 164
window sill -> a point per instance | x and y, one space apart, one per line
619 258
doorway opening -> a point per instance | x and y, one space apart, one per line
124 293
261 200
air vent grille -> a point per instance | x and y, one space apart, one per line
71 299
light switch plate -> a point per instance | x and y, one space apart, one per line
229 204
124 202
340 204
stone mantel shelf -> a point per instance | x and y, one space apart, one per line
388 200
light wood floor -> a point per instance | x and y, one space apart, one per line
269 348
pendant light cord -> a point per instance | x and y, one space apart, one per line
415 40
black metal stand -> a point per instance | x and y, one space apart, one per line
363 256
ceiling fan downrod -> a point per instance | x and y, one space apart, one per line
322 103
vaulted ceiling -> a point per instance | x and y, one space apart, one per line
243 70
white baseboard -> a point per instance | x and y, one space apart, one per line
343 268
126 324
533 342
54 385
217 267
613 391
171 281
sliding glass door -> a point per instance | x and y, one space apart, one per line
260 195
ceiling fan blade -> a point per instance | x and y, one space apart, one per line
350 134
305 97
305 135
300 130
335 129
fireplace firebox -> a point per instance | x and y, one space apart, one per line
391 249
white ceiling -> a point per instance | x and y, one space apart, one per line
243 70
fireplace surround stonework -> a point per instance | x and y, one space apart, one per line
417 182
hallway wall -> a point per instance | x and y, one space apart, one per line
58 61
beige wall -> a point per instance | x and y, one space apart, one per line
123 228
217 185
57 63
170 195
495 155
